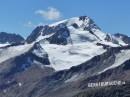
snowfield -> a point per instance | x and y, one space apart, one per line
64 57
2 45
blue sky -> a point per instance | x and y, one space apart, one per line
21 16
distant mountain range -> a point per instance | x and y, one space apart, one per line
61 59
10 38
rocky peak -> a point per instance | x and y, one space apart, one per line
62 30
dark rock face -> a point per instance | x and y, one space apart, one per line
42 58
91 23
10 38
83 18
60 34
110 39
75 25
35 33
28 78
125 38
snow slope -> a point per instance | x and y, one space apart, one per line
79 36
13 51
2 45
64 57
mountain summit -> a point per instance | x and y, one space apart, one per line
61 31
73 30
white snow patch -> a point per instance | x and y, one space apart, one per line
2 45
69 22
19 84
57 23
74 78
5 91
64 57
41 37
79 36
109 44
100 34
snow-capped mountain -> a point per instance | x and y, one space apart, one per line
77 29
72 41
62 57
